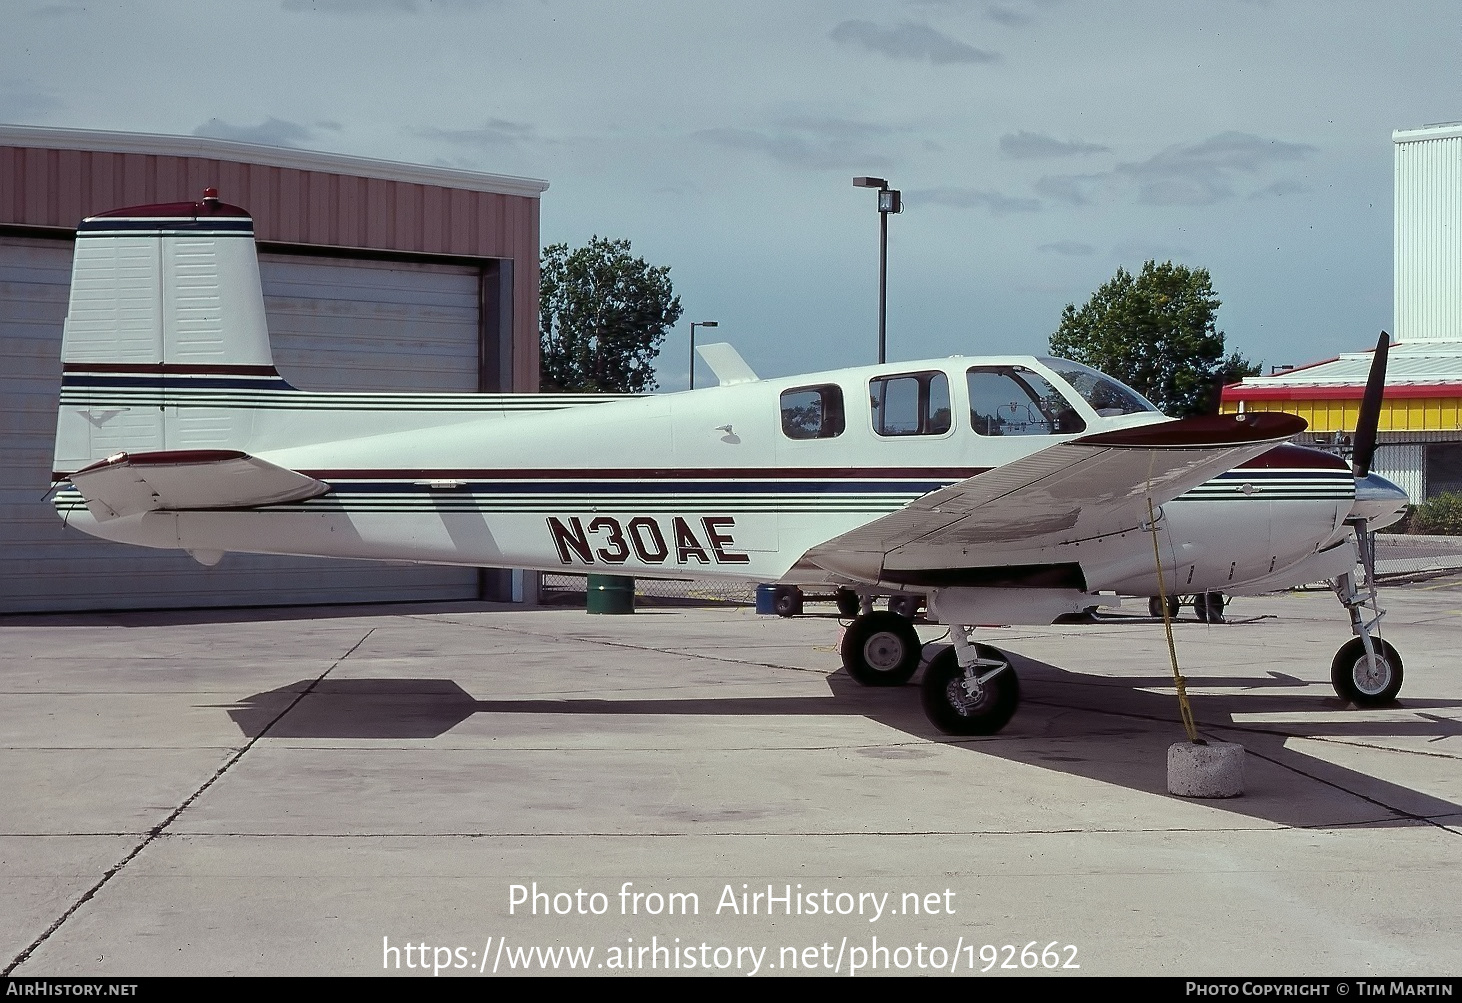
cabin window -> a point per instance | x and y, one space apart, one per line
1014 400
813 412
910 404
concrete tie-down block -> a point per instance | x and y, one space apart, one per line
1215 770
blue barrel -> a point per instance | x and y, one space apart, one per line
611 594
766 600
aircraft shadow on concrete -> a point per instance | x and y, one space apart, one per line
1106 729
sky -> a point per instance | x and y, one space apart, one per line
1039 144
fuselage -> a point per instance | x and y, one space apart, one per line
738 481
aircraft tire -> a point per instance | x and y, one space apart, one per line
905 606
881 649
950 708
1154 607
787 600
848 604
1361 684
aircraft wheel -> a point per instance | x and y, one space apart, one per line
787 600
881 649
1209 606
1363 684
905 606
950 706
848 604
1154 607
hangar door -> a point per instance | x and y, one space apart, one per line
336 324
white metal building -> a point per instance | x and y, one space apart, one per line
1419 445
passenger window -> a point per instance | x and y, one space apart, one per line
1014 400
813 412
912 404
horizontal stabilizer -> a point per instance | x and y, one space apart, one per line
132 483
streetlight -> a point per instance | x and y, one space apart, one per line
693 325
889 200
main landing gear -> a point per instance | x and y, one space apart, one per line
1366 670
1207 606
968 689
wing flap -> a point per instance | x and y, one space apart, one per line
132 483
1073 491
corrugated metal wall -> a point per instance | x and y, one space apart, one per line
1403 464
1428 238
335 324
56 188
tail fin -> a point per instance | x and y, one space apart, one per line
165 301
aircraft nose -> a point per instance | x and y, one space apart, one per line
1378 500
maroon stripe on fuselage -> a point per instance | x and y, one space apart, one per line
166 368
1292 457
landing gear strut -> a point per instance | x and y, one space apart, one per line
970 689
1367 669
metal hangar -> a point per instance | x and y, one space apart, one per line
376 275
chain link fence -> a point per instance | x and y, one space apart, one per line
1402 556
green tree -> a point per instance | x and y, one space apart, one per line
1155 332
602 317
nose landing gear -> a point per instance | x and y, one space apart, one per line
1366 670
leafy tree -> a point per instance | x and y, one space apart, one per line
602 317
1155 332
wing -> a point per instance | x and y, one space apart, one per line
1078 490
132 483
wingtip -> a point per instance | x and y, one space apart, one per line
1203 430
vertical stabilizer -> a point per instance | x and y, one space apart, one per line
164 298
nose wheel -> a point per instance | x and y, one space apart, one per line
1366 681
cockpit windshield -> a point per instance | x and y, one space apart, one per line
1106 396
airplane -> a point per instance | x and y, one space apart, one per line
1010 489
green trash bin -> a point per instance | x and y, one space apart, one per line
611 594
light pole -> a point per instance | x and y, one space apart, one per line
693 325
889 200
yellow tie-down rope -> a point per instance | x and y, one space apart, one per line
1167 622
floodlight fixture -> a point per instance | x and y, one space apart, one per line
693 325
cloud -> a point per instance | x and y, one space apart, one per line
59 10
908 40
1007 16
1038 146
372 7
973 198
811 142
1070 248
21 100
1075 189
1203 173
270 132
493 134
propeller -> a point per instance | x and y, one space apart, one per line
1370 410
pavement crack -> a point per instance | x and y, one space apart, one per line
157 830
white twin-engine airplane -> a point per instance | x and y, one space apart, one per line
1008 489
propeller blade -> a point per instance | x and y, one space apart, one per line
1370 410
